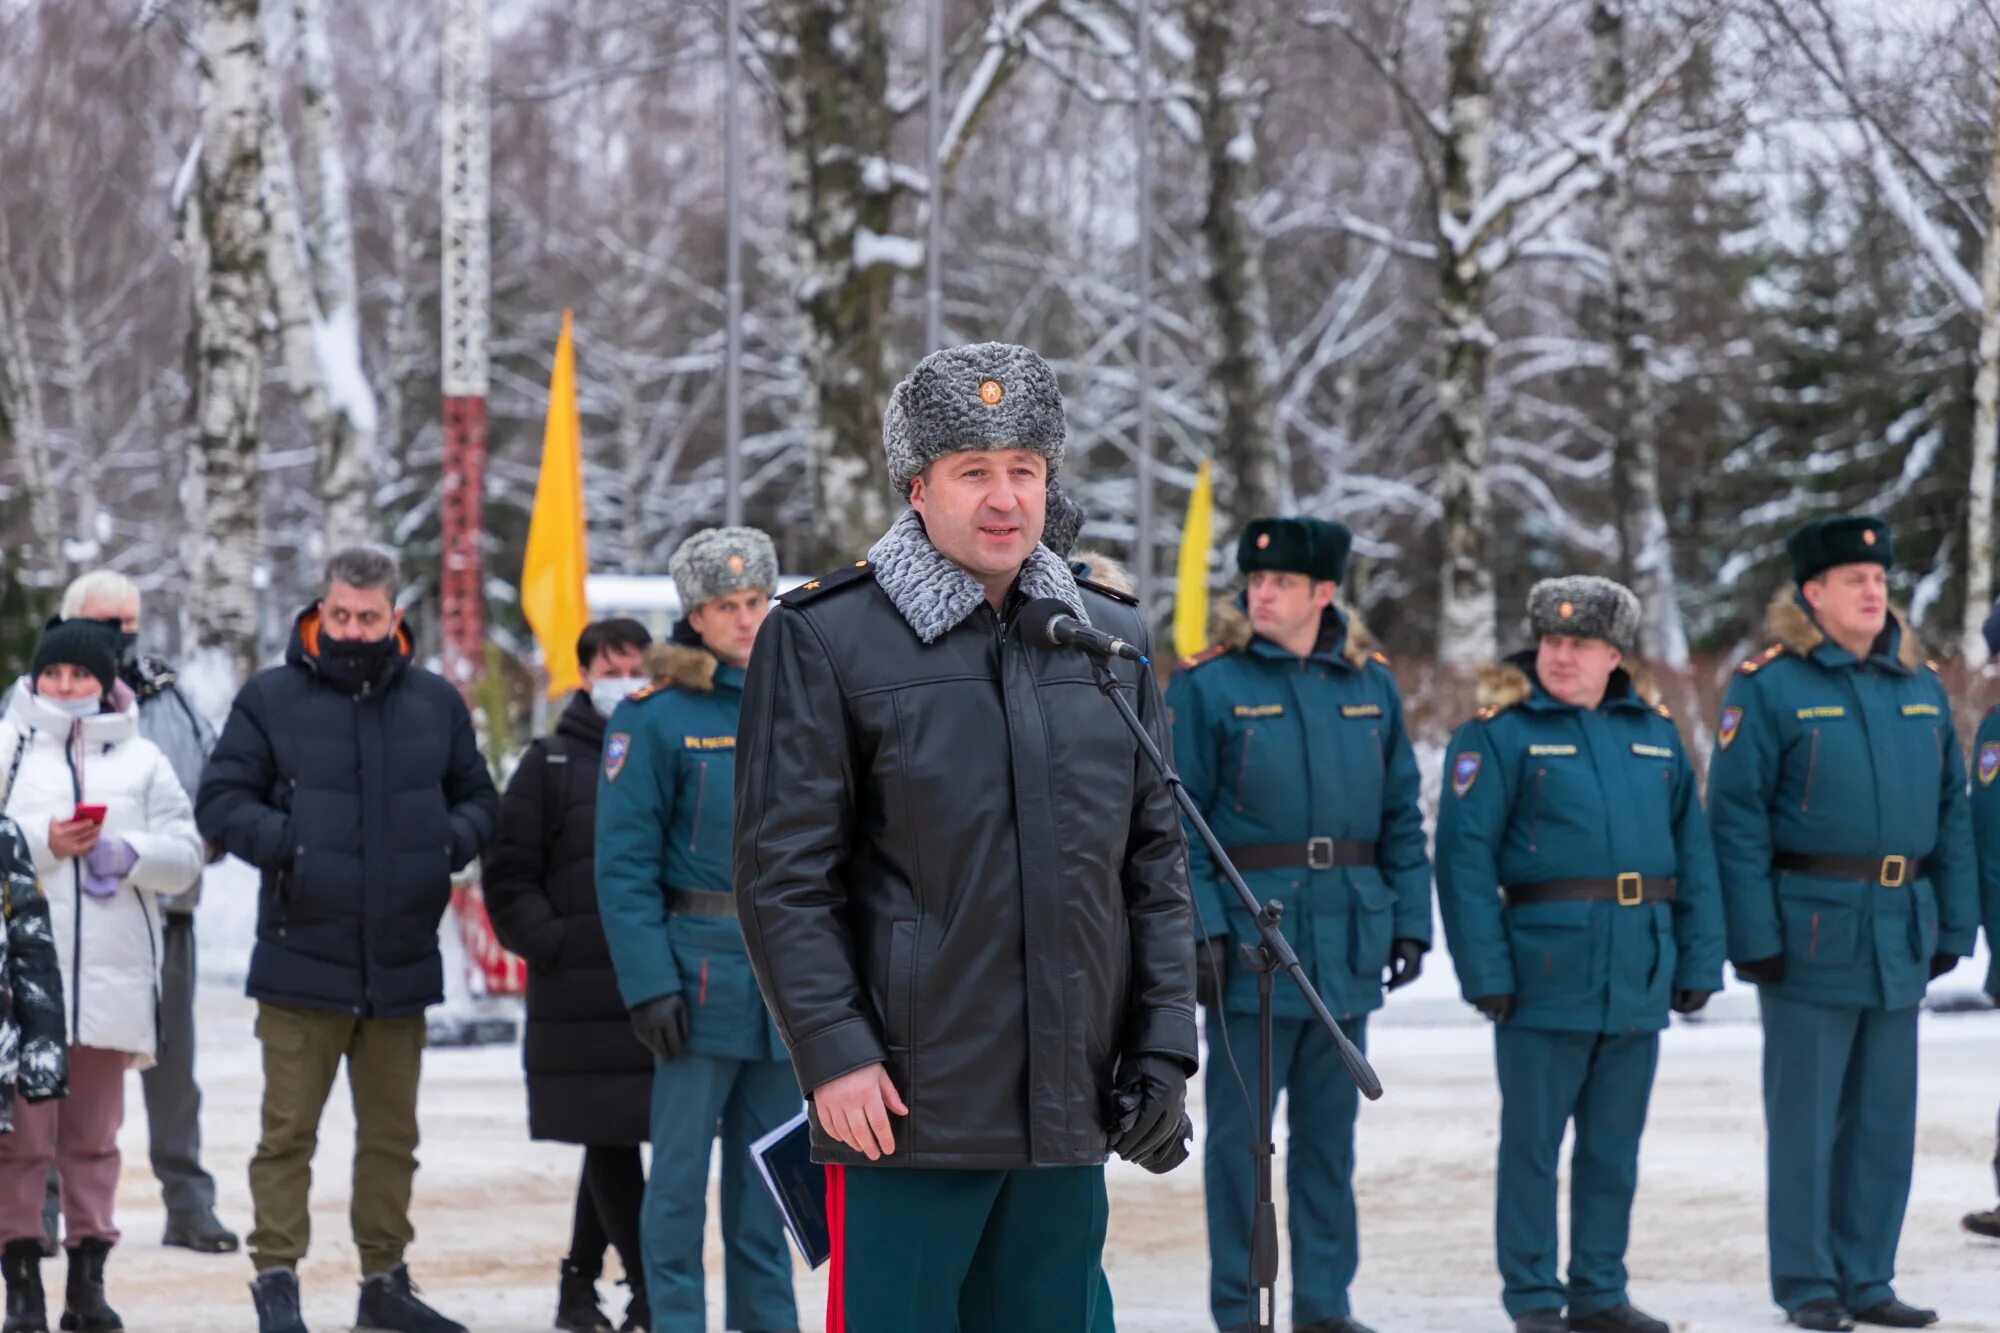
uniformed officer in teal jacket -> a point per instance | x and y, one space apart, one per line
664 828
1986 841
1838 797
1579 897
1289 735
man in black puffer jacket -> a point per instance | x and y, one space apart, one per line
352 780
962 888
589 1079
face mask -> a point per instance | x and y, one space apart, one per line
608 694
359 661
76 708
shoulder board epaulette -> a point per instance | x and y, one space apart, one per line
1664 711
1113 593
1379 656
1486 714
1752 665
826 583
1933 666
646 692
1206 655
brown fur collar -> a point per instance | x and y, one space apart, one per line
1502 685
1229 627
1105 570
1788 623
677 664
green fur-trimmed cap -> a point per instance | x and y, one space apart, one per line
1839 539
1585 606
718 561
980 396
1315 547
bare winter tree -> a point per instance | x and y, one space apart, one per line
221 492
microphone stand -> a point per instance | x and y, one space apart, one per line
1273 955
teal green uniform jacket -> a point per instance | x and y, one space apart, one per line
1986 836
1821 752
665 819
1278 749
1535 789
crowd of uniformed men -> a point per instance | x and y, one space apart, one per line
868 846
1586 893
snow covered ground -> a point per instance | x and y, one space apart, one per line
493 1209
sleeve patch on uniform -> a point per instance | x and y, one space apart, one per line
1260 710
1821 711
1921 710
1652 751
616 747
708 742
1465 771
1732 722
1544 751
1361 710
1989 763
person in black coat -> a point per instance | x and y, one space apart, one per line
589 1079
352 780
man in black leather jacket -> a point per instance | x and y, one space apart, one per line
963 890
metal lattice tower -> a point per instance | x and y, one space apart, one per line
467 289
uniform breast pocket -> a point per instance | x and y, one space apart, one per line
1822 921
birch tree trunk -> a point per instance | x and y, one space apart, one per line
21 405
221 500
1985 421
1254 465
1468 630
347 440
1646 556
832 75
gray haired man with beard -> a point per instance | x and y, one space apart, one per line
962 888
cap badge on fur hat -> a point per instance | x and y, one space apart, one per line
990 393
736 564
1566 610
1263 541
1868 537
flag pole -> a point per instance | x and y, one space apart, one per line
732 386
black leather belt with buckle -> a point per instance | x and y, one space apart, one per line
1312 854
1891 872
1627 890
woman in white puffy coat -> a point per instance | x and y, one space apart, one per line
70 739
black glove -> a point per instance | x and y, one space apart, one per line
1499 1008
1406 963
661 1025
1942 963
1173 1152
1211 970
1147 1104
1690 1001
1764 971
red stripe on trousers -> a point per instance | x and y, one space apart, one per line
836 1230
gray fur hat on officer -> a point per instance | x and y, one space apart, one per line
980 396
1064 522
718 561
1585 607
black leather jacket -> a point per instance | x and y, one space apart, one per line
951 857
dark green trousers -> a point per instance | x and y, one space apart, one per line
303 1051
926 1251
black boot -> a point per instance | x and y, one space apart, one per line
27 1308
577 1310
1892 1313
201 1231
276 1292
1825 1314
638 1314
1338 1324
1983 1224
389 1304
84 1307
1541 1321
1626 1318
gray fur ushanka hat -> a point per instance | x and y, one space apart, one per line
1585 606
1063 523
980 396
718 561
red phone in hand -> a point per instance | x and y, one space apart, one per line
93 813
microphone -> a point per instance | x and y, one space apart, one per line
1048 622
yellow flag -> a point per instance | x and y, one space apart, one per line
1191 597
558 545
